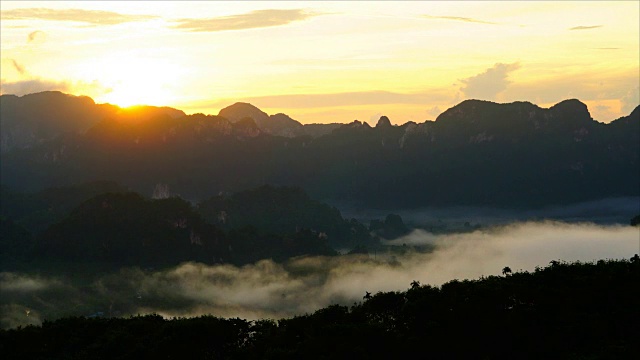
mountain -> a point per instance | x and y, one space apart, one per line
278 124
475 153
28 120
31 119
283 211
39 210
125 229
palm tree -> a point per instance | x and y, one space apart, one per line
367 296
415 284
506 270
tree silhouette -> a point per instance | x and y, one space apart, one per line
506 270
367 296
415 284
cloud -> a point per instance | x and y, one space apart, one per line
603 112
459 18
585 27
270 290
491 82
30 86
630 100
302 101
434 111
35 35
19 68
92 17
251 20
35 85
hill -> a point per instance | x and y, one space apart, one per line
106 226
515 155
577 311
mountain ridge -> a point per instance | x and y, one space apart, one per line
477 152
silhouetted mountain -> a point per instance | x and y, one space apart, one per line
126 229
476 153
284 211
278 124
31 119
117 228
317 130
39 210
28 120
241 110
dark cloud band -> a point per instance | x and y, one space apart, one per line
251 20
92 17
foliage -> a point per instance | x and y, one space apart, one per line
101 223
565 310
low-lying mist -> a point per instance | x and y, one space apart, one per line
607 211
270 290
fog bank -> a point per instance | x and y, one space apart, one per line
607 211
270 290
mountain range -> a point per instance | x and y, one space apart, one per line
475 153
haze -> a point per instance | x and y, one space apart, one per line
302 285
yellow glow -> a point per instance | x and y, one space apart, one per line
131 80
426 50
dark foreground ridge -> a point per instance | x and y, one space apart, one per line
562 311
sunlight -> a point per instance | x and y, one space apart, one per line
135 81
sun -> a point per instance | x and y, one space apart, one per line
133 80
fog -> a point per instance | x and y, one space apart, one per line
270 290
607 211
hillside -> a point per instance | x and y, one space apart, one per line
562 311
477 153
105 225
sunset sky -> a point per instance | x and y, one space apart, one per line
326 61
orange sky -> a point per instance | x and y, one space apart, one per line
326 61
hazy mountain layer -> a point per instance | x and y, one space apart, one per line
476 153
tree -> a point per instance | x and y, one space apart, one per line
415 284
506 270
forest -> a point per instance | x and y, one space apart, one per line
580 310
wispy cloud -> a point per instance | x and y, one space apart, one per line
491 82
585 27
19 68
30 86
630 100
35 35
460 18
92 17
250 20
301 101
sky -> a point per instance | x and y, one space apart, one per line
322 62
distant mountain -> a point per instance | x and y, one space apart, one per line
278 124
39 210
31 119
127 229
28 120
115 227
283 211
475 153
